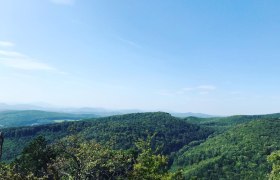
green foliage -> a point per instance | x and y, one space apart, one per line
75 158
230 121
79 159
8 172
122 131
239 153
150 166
89 160
171 133
109 148
274 159
17 138
35 158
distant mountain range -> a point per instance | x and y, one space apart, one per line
101 112
190 114
16 118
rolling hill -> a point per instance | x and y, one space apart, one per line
234 147
239 153
230 120
123 130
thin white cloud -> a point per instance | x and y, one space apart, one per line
11 54
6 44
188 89
206 87
202 90
235 92
21 61
63 2
129 42
199 88
166 93
25 64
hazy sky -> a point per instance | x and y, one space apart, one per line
218 57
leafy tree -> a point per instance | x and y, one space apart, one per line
150 166
90 160
274 159
8 172
35 157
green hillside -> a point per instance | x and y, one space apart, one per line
33 117
239 153
122 131
229 121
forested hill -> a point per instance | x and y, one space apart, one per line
230 120
122 130
194 151
239 153
35 117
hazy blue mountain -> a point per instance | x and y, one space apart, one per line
101 112
190 114
14 118
6 107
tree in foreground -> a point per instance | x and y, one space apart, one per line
274 159
35 158
79 159
150 166
8 172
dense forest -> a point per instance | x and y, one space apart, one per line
240 152
229 121
121 131
145 146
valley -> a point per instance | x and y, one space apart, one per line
234 147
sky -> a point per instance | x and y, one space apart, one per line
216 57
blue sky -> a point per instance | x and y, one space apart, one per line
216 57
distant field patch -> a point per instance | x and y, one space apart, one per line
64 120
